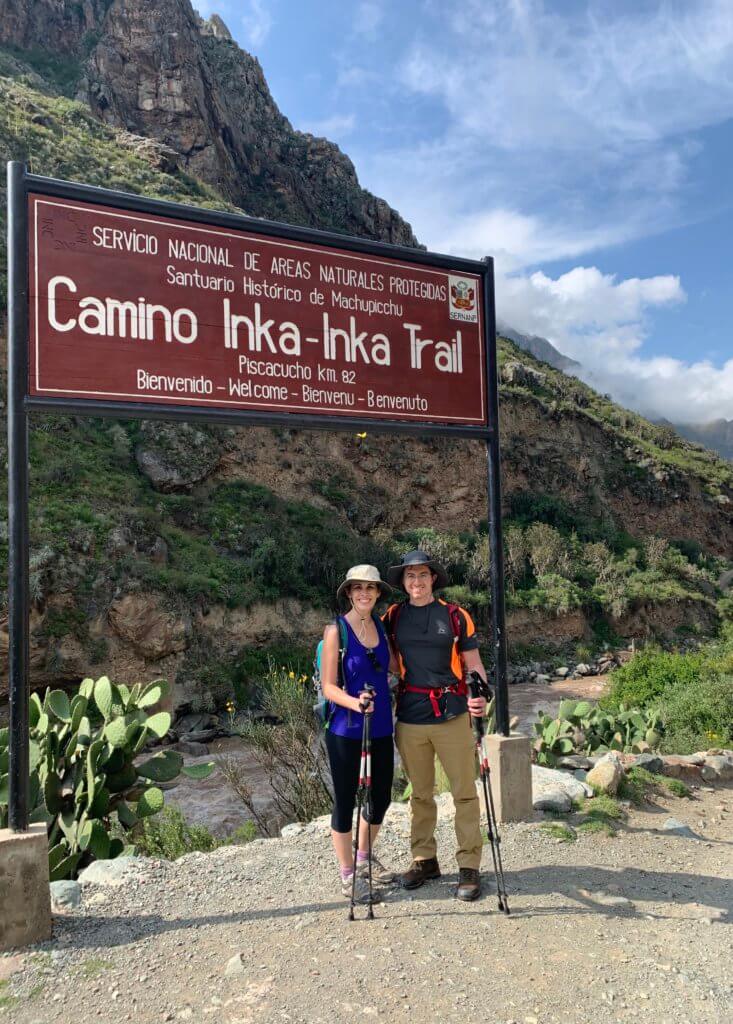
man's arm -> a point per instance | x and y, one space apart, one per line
473 663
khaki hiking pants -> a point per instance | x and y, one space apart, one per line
453 744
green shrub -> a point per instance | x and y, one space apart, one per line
559 831
169 836
649 674
700 716
692 692
675 786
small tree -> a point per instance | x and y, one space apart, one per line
655 549
289 752
517 549
547 550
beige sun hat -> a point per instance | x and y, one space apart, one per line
363 574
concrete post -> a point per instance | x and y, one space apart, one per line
511 776
25 897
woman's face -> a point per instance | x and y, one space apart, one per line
363 596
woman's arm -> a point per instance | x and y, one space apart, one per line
329 672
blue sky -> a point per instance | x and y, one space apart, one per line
587 146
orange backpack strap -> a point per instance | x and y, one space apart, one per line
459 616
390 619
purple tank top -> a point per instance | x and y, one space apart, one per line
364 665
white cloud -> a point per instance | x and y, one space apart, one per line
257 21
533 78
337 126
602 322
568 129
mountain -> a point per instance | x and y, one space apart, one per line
156 69
717 435
193 552
539 347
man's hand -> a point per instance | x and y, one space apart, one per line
477 706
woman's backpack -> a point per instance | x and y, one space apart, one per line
322 708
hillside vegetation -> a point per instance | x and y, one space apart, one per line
606 513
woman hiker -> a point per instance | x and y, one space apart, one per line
365 659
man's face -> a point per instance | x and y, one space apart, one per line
418 581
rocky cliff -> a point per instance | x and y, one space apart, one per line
181 552
155 68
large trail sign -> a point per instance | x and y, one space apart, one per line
128 307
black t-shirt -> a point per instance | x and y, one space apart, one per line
425 641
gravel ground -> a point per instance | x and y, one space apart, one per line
631 928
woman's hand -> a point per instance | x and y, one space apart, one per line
365 703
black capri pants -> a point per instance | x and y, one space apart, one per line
344 755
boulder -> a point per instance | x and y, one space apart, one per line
175 456
521 374
552 799
152 631
65 895
554 790
574 761
191 747
679 767
607 773
722 765
652 762
678 828
114 873
563 672
583 669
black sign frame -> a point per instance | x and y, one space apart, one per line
21 404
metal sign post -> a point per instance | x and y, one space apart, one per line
126 307
18 604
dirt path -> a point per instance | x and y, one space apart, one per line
632 928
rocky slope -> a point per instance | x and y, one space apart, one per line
177 552
158 70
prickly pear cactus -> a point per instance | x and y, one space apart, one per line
85 783
584 729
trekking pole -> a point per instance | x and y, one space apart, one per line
477 688
364 800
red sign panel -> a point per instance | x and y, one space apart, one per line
133 307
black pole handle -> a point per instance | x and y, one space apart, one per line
477 688
368 688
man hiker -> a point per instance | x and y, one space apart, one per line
435 645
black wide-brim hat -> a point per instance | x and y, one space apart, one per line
393 575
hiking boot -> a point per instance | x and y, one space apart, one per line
419 872
361 889
469 884
380 874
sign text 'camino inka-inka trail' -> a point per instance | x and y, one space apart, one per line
130 306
